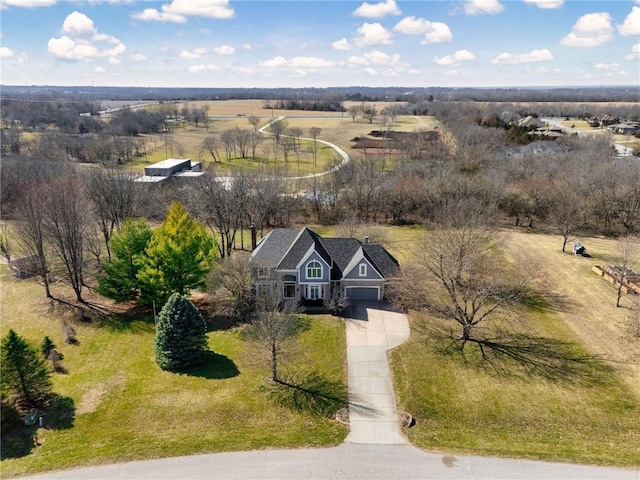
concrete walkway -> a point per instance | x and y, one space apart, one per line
373 416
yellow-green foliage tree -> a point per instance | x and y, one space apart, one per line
177 258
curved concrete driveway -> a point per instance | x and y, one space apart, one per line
373 416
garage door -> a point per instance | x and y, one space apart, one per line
362 293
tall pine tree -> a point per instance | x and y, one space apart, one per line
24 372
119 278
181 335
177 258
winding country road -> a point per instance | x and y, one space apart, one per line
342 153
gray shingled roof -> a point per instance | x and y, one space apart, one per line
386 264
300 248
284 248
341 251
273 247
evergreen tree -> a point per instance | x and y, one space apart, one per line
46 346
24 371
181 335
119 278
177 258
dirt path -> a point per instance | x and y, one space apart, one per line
590 301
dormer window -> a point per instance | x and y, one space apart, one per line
362 270
314 269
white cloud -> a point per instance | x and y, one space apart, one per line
79 40
434 32
374 57
377 10
299 64
204 68
26 3
413 26
193 54
606 66
115 61
631 25
478 7
311 62
178 10
78 24
635 52
546 3
533 56
456 59
438 33
100 70
591 30
138 57
342 44
274 62
224 50
373 34
6 52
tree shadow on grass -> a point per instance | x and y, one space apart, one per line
545 302
21 440
310 393
517 354
215 366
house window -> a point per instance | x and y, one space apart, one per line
289 290
263 272
263 289
362 269
315 292
314 269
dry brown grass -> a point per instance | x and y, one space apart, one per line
588 301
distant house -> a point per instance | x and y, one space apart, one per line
302 265
171 167
548 132
539 147
530 122
624 128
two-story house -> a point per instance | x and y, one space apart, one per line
301 265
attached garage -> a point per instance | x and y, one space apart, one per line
362 293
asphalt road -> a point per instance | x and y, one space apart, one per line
347 461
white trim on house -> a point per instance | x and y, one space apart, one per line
356 260
362 269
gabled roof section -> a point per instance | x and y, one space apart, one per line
273 247
357 258
384 262
305 240
342 251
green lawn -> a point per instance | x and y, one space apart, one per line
581 412
124 407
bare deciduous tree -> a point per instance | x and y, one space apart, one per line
113 195
627 258
457 275
273 327
315 132
67 217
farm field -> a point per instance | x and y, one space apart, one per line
335 128
587 413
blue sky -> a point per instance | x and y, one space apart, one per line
304 43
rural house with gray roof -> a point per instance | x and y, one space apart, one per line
301 265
